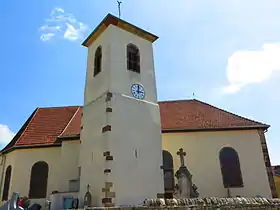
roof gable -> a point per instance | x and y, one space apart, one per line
46 125
113 20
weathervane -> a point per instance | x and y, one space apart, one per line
119 6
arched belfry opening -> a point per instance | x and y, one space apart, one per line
97 61
133 58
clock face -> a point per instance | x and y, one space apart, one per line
138 91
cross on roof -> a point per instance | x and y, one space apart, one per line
119 7
181 153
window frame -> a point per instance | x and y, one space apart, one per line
133 58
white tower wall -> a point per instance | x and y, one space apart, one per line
121 147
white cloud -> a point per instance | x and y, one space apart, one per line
73 33
50 28
57 10
6 134
46 37
64 25
252 67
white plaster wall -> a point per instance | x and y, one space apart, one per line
62 168
126 136
10 159
70 161
96 86
135 129
92 148
121 79
114 75
202 160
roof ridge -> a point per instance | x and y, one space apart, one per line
53 107
245 118
180 100
69 121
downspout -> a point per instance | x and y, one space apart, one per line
2 174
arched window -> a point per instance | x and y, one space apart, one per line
7 183
230 168
97 61
39 180
133 58
168 171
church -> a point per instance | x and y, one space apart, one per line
122 145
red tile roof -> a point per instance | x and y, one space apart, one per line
46 124
74 125
197 115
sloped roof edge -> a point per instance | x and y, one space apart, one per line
20 132
193 104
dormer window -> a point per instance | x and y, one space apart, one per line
97 61
133 58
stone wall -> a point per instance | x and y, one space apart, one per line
194 208
202 203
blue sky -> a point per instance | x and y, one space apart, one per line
226 52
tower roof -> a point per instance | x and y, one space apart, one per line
48 126
113 20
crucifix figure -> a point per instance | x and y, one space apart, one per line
181 153
119 6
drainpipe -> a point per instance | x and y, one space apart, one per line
2 174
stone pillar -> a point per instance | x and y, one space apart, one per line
184 182
184 177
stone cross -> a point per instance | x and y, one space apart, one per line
181 153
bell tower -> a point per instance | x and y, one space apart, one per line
121 146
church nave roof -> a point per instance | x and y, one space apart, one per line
48 126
